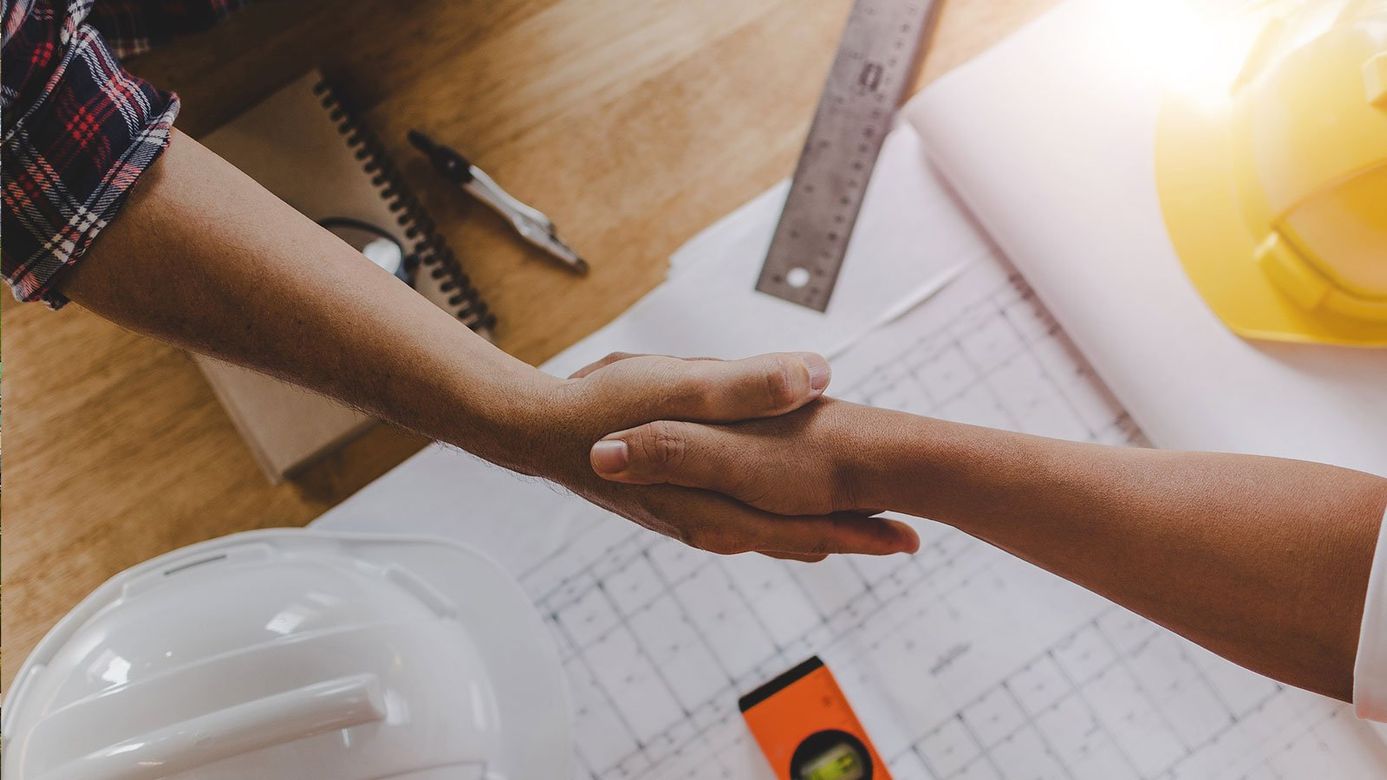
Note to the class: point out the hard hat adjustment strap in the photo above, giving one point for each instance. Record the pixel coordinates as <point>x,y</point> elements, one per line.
<point>1375,80</point>
<point>1311,290</point>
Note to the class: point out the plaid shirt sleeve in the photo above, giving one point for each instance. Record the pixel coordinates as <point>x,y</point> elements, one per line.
<point>78,130</point>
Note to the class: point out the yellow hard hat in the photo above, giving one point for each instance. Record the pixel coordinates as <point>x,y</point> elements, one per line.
<point>1275,194</point>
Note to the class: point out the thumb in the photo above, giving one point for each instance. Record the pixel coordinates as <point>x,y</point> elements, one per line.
<point>665,452</point>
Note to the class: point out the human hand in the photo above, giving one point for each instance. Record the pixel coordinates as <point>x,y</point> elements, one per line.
<point>813,461</point>
<point>622,391</point>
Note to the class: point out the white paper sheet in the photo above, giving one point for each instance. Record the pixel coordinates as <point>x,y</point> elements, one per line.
<point>961,661</point>
<point>1050,139</point>
<point>910,239</point>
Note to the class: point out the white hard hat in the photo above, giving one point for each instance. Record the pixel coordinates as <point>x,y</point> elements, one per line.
<point>295,654</point>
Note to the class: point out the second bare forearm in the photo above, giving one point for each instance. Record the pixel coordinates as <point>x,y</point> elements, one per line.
<point>1263,560</point>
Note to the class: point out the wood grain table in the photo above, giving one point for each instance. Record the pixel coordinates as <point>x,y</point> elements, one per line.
<point>633,123</point>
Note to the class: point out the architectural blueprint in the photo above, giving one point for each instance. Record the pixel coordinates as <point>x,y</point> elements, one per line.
<point>961,661</point>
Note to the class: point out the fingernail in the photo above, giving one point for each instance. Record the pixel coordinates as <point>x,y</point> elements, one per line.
<point>818,372</point>
<point>911,539</point>
<point>610,456</point>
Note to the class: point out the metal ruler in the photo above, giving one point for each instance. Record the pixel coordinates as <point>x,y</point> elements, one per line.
<point>875,62</point>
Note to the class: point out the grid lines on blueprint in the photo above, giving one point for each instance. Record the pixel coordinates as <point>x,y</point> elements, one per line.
<point>961,661</point>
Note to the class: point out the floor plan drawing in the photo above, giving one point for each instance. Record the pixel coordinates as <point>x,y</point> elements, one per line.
<point>961,661</point>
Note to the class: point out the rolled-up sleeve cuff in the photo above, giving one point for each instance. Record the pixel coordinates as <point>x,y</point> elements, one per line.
<point>71,161</point>
<point>1370,669</point>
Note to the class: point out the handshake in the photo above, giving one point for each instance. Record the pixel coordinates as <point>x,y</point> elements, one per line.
<point>727,456</point>
<point>1263,560</point>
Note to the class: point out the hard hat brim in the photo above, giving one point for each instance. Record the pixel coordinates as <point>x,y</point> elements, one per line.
<point>1198,190</point>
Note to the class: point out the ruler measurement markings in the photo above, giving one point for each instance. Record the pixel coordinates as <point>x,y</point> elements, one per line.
<point>864,86</point>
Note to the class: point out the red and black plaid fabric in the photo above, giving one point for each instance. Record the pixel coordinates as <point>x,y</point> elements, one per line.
<point>78,130</point>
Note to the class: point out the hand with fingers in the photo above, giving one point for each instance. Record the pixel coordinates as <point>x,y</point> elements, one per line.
<point>811,461</point>
<point>624,391</point>
<point>1249,556</point>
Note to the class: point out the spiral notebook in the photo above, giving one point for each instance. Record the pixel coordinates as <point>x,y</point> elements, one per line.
<point>306,146</point>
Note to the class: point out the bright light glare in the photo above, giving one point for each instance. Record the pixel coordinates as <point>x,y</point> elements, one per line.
<point>287,620</point>
<point>1199,48</point>
<point>1193,48</point>
<point>117,671</point>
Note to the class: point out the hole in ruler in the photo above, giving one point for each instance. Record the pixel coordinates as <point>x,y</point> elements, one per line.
<point>797,277</point>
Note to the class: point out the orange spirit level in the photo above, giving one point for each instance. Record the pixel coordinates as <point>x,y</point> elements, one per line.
<point>807,730</point>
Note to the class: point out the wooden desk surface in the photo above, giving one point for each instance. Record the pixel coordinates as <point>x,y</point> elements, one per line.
<point>633,123</point>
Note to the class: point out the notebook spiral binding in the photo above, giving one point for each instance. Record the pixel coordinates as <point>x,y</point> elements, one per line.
<point>430,253</point>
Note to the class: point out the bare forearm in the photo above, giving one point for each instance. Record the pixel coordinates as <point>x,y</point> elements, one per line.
<point>205,258</point>
<point>1262,560</point>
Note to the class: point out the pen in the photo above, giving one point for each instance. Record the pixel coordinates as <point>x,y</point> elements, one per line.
<point>532,225</point>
